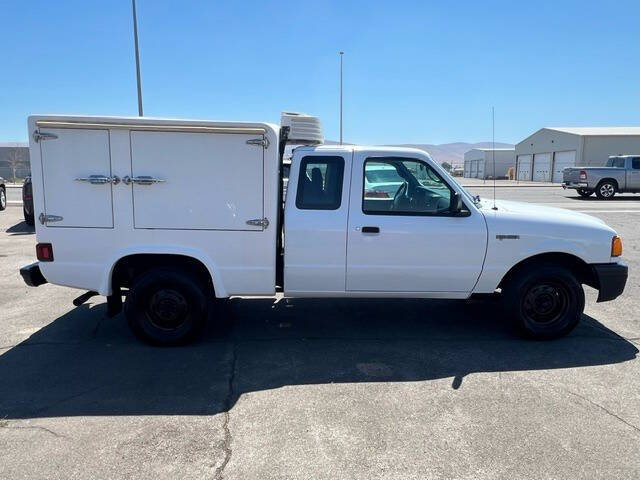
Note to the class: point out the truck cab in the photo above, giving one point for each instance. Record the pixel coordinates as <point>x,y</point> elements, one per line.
<point>171,214</point>
<point>378,221</point>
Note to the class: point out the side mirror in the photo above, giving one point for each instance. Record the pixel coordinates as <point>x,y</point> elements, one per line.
<point>457,207</point>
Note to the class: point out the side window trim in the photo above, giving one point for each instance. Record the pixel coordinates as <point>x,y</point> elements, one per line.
<point>302,175</point>
<point>405,214</point>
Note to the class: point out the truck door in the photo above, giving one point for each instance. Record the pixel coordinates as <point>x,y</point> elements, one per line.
<point>77,181</point>
<point>401,237</point>
<point>315,224</point>
<point>633,175</point>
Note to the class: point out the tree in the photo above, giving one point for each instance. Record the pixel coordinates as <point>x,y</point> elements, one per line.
<point>15,157</point>
<point>447,166</point>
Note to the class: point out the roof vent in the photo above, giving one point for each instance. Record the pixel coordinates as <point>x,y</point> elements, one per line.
<point>303,128</point>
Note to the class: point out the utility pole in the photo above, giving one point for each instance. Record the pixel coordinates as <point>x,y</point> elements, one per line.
<point>135,38</point>
<point>341,55</point>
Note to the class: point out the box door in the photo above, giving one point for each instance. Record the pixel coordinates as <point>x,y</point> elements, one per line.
<point>76,172</point>
<point>197,181</point>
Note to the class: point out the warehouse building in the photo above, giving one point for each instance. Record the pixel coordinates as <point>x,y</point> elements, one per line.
<point>479,162</point>
<point>542,156</point>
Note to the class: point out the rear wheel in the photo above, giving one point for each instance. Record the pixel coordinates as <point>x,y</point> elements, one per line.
<point>606,190</point>
<point>3,198</point>
<point>166,306</point>
<point>545,301</point>
<point>583,192</point>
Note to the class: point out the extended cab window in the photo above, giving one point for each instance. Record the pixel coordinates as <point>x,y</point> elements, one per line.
<point>616,162</point>
<point>635,163</point>
<point>320,183</point>
<point>396,186</point>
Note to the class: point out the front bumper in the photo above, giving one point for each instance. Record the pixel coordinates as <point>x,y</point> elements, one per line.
<point>611,279</point>
<point>566,185</point>
<point>32,275</point>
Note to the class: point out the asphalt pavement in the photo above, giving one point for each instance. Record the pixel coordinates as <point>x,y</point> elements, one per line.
<point>322,389</point>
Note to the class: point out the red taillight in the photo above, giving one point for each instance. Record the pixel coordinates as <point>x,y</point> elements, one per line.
<point>583,175</point>
<point>375,194</point>
<point>44,252</point>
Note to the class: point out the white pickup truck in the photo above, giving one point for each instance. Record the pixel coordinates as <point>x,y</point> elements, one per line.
<point>170,214</point>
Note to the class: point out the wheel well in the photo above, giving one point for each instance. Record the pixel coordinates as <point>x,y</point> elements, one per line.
<point>577,266</point>
<point>128,268</point>
<point>612,180</point>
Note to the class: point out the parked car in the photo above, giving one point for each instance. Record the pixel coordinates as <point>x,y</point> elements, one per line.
<point>3,194</point>
<point>121,217</point>
<point>27,201</point>
<point>621,174</point>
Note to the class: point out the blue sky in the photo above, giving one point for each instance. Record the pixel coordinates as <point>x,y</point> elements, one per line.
<point>415,72</point>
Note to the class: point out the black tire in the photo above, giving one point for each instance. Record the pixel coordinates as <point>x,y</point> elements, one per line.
<point>583,192</point>
<point>28,219</point>
<point>606,190</point>
<point>545,301</point>
<point>3,198</point>
<point>167,306</point>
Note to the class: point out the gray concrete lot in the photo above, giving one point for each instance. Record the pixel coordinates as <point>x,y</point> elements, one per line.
<point>320,389</point>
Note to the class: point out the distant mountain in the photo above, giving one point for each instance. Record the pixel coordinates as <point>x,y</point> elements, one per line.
<point>452,153</point>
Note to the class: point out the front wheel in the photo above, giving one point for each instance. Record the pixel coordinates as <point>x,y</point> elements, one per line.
<point>606,190</point>
<point>545,301</point>
<point>3,198</point>
<point>166,306</point>
<point>583,192</point>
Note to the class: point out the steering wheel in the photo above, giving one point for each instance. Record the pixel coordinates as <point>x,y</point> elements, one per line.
<point>402,192</point>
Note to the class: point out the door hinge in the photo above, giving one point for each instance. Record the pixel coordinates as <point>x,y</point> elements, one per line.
<point>49,218</point>
<point>264,223</point>
<point>263,142</point>
<point>38,135</point>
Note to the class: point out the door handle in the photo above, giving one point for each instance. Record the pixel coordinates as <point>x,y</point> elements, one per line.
<point>370,229</point>
<point>141,180</point>
<point>99,179</point>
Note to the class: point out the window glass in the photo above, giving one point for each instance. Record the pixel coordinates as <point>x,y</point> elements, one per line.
<point>635,163</point>
<point>617,162</point>
<point>320,183</point>
<point>395,186</point>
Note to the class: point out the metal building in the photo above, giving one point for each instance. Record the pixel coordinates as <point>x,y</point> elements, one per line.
<point>542,156</point>
<point>479,162</point>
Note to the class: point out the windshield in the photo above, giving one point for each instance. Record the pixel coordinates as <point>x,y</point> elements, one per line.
<point>616,162</point>
<point>465,192</point>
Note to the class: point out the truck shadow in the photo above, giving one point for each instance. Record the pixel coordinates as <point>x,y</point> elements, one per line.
<point>21,229</point>
<point>593,198</point>
<point>85,364</point>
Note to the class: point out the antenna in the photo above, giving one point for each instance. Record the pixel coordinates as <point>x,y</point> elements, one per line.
<point>493,153</point>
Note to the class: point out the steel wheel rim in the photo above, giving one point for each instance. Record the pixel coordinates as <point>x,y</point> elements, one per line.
<point>545,303</point>
<point>606,190</point>
<point>3,199</point>
<point>167,309</point>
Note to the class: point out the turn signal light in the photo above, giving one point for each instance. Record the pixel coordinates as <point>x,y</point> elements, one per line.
<point>44,252</point>
<point>583,174</point>
<point>616,246</point>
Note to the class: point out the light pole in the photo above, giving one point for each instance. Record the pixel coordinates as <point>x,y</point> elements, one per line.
<point>341,55</point>
<point>135,38</point>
